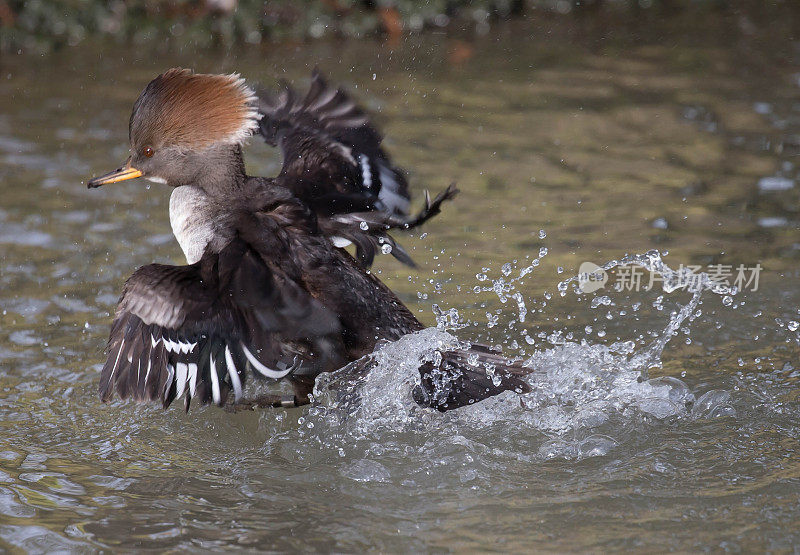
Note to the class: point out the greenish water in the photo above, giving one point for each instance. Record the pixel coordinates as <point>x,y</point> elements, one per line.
<point>588,138</point>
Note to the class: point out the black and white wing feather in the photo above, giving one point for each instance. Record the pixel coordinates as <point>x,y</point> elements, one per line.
<point>332,155</point>
<point>193,330</point>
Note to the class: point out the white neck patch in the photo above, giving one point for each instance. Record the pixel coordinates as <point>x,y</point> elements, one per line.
<point>187,215</point>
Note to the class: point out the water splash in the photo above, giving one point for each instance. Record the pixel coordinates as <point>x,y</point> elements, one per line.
<point>697,283</point>
<point>583,393</point>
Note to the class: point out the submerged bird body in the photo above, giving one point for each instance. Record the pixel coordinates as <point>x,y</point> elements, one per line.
<point>267,287</point>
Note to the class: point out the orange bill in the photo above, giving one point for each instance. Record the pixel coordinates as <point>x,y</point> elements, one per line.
<point>120,174</point>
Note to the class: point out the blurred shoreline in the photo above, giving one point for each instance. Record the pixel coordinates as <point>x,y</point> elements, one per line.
<point>43,26</point>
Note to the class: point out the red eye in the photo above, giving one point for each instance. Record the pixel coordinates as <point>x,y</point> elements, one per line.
<point>148,152</point>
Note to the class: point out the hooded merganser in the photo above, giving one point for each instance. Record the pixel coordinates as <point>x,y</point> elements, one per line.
<point>267,283</point>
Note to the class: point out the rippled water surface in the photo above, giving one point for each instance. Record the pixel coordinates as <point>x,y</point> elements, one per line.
<point>661,419</point>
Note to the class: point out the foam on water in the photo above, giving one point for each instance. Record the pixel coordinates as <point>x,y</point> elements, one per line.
<point>583,393</point>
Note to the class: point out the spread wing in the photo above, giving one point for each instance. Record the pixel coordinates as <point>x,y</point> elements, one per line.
<point>332,155</point>
<point>194,330</point>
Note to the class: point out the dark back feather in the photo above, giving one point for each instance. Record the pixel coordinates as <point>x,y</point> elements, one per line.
<point>333,158</point>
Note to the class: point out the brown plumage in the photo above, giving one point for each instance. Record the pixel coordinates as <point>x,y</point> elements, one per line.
<point>193,110</point>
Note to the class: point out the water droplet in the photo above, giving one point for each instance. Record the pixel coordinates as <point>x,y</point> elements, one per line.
<point>364,226</point>
<point>542,234</point>
<point>386,249</point>
<point>792,325</point>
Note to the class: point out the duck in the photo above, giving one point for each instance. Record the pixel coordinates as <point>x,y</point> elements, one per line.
<point>269,289</point>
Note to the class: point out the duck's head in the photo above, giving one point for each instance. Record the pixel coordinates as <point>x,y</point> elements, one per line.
<point>187,128</point>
